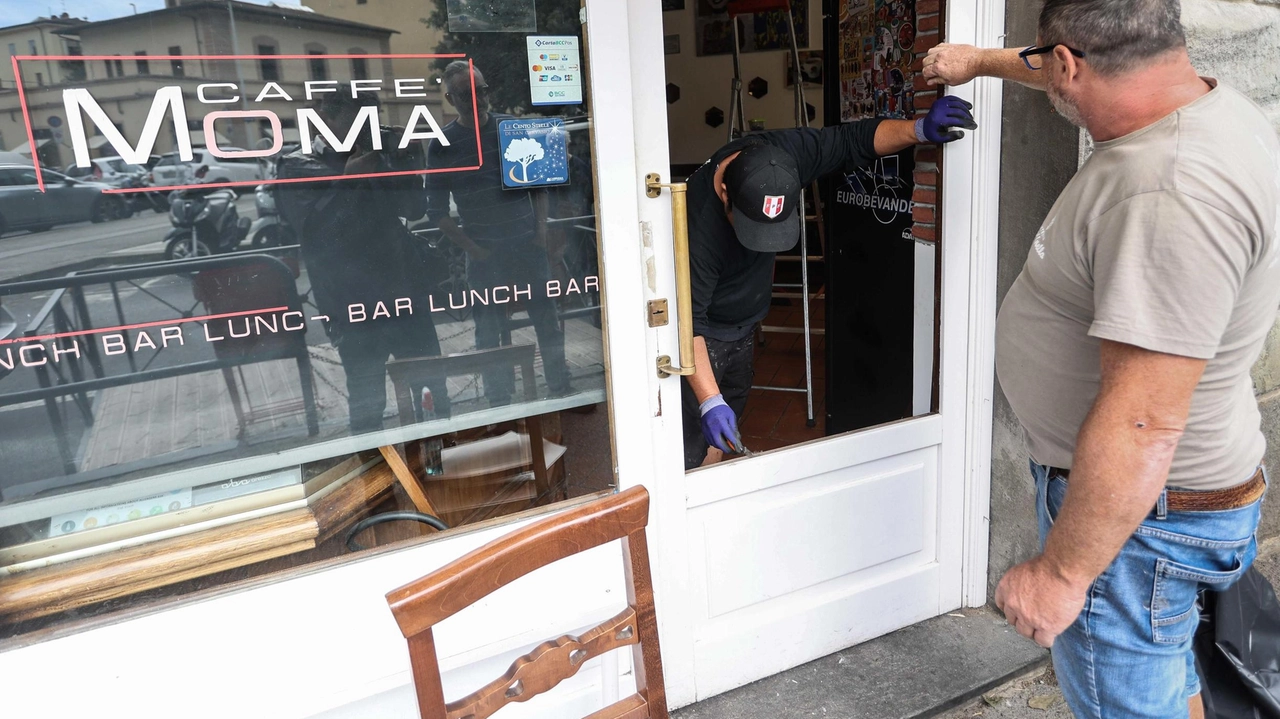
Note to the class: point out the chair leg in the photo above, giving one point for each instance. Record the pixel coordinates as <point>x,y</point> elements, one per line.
<point>307,381</point>
<point>230,379</point>
<point>541,479</point>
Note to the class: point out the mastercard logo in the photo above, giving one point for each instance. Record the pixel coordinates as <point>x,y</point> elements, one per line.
<point>537,68</point>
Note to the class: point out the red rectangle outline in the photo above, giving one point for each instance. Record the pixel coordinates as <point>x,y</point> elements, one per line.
<point>35,159</point>
<point>157,323</point>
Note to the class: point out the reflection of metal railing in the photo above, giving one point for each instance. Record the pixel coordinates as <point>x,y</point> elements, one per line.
<point>65,318</point>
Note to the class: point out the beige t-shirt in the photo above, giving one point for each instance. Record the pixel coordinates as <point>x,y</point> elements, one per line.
<point>1168,239</point>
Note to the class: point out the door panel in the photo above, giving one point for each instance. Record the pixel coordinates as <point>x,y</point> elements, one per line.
<point>840,516</point>
<point>796,571</point>
<point>815,623</point>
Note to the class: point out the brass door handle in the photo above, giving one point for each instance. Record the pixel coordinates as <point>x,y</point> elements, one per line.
<point>684,291</point>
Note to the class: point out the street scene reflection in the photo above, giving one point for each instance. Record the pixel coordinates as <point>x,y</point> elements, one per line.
<point>297,261</point>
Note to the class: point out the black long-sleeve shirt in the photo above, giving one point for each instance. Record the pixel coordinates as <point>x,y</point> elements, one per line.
<point>491,215</point>
<point>732,286</point>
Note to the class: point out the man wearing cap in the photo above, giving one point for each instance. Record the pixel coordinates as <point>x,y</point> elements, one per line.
<point>744,206</point>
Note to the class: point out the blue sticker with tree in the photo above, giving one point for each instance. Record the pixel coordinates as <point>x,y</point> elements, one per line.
<point>534,152</point>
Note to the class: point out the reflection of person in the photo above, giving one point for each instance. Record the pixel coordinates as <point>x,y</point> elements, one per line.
<point>503,232</point>
<point>357,252</point>
<point>744,206</point>
<point>1125,347</point>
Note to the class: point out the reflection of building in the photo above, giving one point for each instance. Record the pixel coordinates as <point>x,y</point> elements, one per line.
<point>125,87</point>
<point>43,36</point>
<point>413,35</point>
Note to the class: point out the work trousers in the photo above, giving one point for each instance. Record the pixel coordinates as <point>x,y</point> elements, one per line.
<point>733,365</point>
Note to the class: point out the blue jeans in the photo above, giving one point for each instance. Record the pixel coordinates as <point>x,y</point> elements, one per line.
<point>1128,655</point>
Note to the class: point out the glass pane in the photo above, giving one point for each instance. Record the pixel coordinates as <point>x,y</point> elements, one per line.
<point>852,345</point>
<point>387,301</point>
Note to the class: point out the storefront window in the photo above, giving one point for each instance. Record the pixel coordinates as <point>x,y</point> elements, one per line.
<point>333,303</point>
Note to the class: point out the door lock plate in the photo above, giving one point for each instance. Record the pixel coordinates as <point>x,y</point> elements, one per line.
<point>658,315</point>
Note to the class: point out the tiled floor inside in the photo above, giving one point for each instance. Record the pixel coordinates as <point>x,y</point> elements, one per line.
<point>777,419</point>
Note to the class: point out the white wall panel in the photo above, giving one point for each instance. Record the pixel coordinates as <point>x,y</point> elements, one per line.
<point>771,543</point>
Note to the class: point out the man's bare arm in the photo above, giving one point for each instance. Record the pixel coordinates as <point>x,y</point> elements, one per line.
<point>1121,463</point>
<point>1122,458</point>
<point>893,136</point>
<point>703,380</point>
<point>949,64</point>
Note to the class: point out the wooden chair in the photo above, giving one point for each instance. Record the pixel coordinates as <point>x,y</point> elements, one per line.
<point>411,373</point>
<point>420,605</point>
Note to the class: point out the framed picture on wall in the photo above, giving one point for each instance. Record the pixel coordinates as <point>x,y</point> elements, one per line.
<point>671,44</point>
<point>759,31</point>
<point>668,5</point>
<point>810,68</point>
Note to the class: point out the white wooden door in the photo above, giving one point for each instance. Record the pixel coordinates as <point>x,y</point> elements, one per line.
<point>768,562</point>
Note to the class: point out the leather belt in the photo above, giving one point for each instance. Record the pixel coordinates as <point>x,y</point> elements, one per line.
<point>1192,500</point>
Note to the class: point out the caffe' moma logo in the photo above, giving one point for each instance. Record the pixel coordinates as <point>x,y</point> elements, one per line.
<point>174,106</point>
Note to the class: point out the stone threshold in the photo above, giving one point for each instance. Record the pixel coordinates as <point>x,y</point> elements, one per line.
<point>919,671</point>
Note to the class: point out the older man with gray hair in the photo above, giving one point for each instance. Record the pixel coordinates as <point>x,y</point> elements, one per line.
<point>1125,346</point>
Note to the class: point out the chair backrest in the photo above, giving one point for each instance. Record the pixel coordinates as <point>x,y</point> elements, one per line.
<point>234,292</point>
<point>406,373</point>
<point>420,605</point>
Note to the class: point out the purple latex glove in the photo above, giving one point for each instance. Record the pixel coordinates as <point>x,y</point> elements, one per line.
<point>948,113</point>
<point>719,426</point>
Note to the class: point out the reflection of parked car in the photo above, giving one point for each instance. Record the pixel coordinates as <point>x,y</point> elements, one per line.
<point>171,170</point>
<point>112,170</point>
<point>65,199</point>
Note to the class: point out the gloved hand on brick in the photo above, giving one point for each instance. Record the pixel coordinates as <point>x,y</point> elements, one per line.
<point>948,113</point>
<point>720,426</point>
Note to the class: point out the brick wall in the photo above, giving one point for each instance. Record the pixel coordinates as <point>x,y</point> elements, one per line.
<point>929,16</point>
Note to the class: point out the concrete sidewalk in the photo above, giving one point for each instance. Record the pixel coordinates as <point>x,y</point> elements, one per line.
<point>1037,696</point>
<point>916,671</point>
<point>968,664</point>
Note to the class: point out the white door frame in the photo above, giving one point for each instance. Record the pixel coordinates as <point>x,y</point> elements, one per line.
<point>969,213</point>
<point>323,642</point>
<point>981,23</point>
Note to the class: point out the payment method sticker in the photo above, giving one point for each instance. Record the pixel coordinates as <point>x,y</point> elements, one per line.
<point>555,69</point>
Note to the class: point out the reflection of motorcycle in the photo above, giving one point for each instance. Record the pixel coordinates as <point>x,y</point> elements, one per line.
<point>205,222</point>
<point>153,200</point>
<point>270,229</point>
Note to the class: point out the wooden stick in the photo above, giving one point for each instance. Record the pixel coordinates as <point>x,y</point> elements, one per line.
<point>410,483</point>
